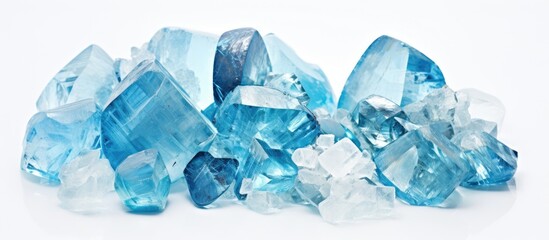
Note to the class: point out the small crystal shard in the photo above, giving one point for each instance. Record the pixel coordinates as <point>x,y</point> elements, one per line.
<point>310,185</point>
<point>89,75</point>
<point>340,159</point>
<point>208,177</point>
<point>289,84</point>
<point>491,161</point>
<point>57,136</point>
<point>241,59</point>
<point>438,106</point>
<point>392,69</point>
<point>264,202</point>
<point>150,111</point>
<point>305,158</point>
<point>142,182</point>
<point>480,111</point>
<point>85,181</point>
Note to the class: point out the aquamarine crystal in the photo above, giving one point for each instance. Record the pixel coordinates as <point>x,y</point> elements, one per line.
<point>285,60</point>
<point>491,161</point>
<point>423,166</point>
<point>394,70</point>
<point>208,177</point>
<point>56,136</point>
<point>89,75</point>
<point>289,84</point>
<point>241,59</point>
<point>149,110</point>
<point>142,182</point>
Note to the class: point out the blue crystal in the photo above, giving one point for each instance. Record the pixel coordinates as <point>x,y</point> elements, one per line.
<point>491,161</point>
<point>142,182</point>
<point>57,136</point>
<point>314,81</point>
<point>210,111</point>
<point>289,85</point>
<point>150,111</point>
<point>241,59</point>
<point>208,177</point>
<point>392,69</point>
<point>422,165</point>
<point>89,75</point>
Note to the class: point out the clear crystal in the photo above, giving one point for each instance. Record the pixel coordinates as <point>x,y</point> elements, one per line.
<point>305,158</point>
<point>264,202</point>
<point>289,84</point>
<point>340,159</point>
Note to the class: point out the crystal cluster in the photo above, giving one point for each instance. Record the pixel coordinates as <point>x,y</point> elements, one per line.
<point>242,117</point>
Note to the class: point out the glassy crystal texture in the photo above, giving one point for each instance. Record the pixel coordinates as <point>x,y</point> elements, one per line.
<point>441,105</point>
<point>57,136</point>
<point>85,181</point>
<point>150,111</point>
<point>392,69</point>
<point>479,110</point>
<point>314,81</point>
<point>208,177</point>
<point>289,84</point>
<point>241,59</point>
<point>424,166</point>
<point>142,182</point>
<point>89,75</point>
<point>491,161</point>
<point>264,202</point>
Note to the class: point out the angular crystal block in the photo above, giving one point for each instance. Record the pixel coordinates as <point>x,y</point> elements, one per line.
<point>441,105</point>
<point>479,110</point>
<point>142,182</point>
<point>491,161</point>
<point>85,181</point>
<point>89,75</point>
<point>289,84</point>
<point>264,202</point>
<point>314,81</point>
<point>305,158</point>
<point>310,184</point>
<point>149,110</point>
<point>241,59</point>
<point>392,69</point>
<point>57,136</point>
<point>208,177</point>
<point>341,158</point>
<point>424,166</point>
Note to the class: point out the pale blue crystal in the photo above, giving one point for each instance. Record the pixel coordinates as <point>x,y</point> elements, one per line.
<point>491,161</point>
<point>285,60</point>
<point>241,59</point>
<point>439,105</point>
<point>289,84</point>
<point>423,166</point>
<point>89,75</point>
<point>394,70</point>
<point>142,182</point>
<point>56,136</point>
<point>150,111</point>
<point>208,177</point>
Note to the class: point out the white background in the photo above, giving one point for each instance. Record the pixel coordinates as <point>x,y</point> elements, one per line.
<point>496,46</point>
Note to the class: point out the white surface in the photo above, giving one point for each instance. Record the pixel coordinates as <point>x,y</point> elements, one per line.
<point>498,47</point>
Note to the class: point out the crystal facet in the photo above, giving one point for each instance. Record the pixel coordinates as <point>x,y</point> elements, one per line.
<point>264,202</point>
<point>392,69</point>
<point>142,182</point>
<point>340,159</point>
<point>149,110</point>
<point>289,84</point>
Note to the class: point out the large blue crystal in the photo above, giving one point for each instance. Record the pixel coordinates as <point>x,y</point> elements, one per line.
<point>423,166</point>
<point>392,69</point>
<point>149,110</point>
<point>142,182</point>
<point>208,177</point>
<point>241,59</point>
<point>89,75</point>
<point>491,161</point>
<point>57,136</point>
<point>285,60</point>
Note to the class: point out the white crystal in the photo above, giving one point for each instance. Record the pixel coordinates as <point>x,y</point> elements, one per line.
<point>340,159</point>
<point>264,202</point>
<point>325,141</point>
<point>305,157</point>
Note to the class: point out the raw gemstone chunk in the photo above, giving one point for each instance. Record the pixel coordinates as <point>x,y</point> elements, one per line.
<point>289,84</point>
<point>264,202</point>
<point>341,158</point>
<point>208,177</point>
<point>241,59</point>
<point>305,158</point>
<point>142,182</point>
<point>379,120</point>
<point>480,111</point>
<point>325,141</point>
<point>310,185</point>
<point>57,136</point>
<point>491,161</point>
<point>85,181</point>
<point>89,75</point>
<point>424,166</point>
<point>441,105</point>
<point>285,60</point>
<point>148,110</point>
<point>392,69</point>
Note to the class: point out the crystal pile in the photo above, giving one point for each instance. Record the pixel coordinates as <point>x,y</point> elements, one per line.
<point>242,118</point>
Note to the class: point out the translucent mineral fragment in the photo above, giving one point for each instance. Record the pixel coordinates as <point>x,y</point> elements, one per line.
<point>241,59</point>
<point>392,69</point>
<point>289,84</point>
<point>89,75</point>
<point>208,177</point>
<point>148,110</point>
<point>142,182</point>
<point>85,181</point>
<point>441,105</point>
<point>57,136</point>
<point>341,158</point>
<point>264,202</point>
<point>484,111</point>
<point>285,60</point>
<point>491,162</point>
<point>305,158</point>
